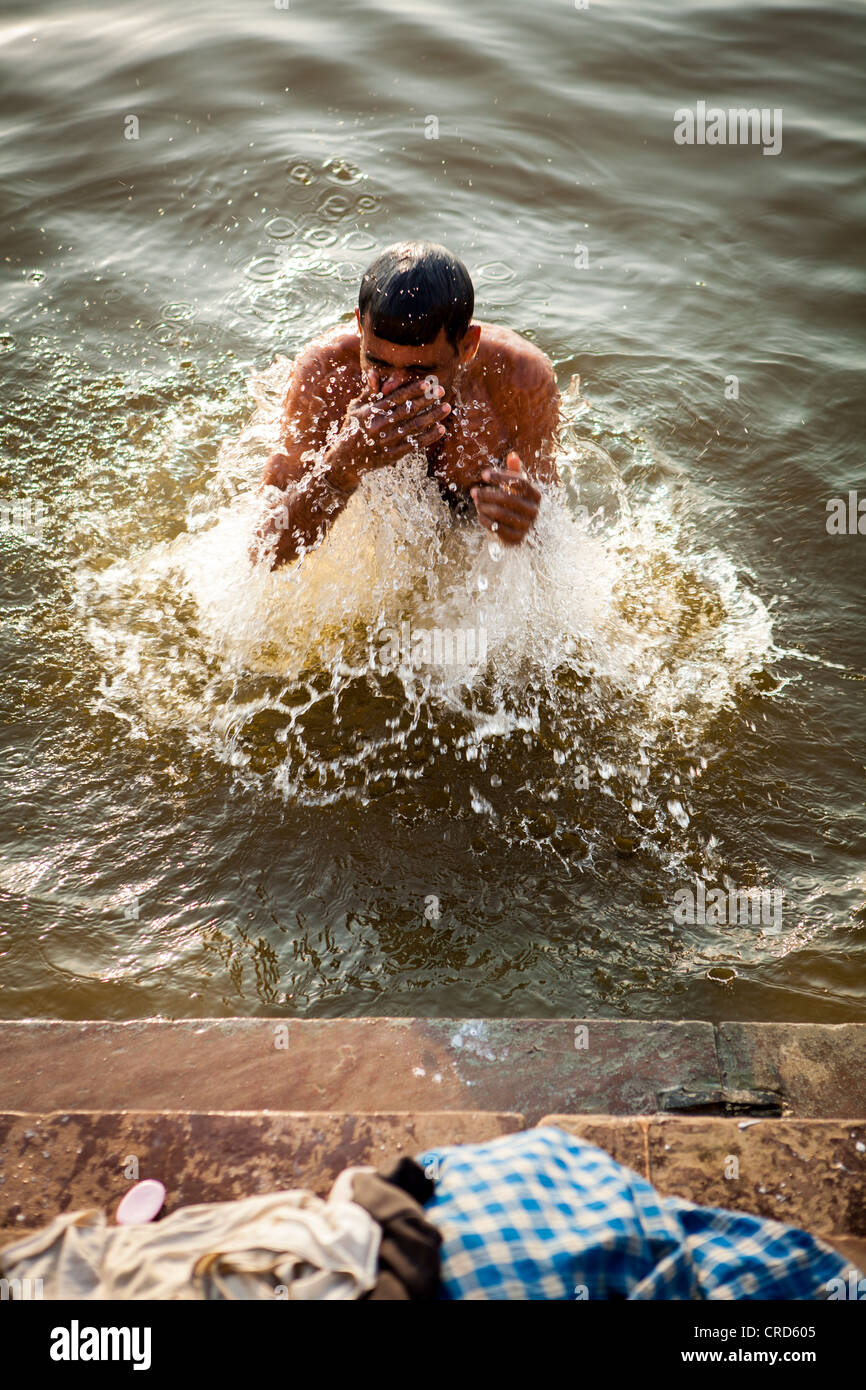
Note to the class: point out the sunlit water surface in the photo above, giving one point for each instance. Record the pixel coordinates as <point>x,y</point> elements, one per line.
<point>218,795</point>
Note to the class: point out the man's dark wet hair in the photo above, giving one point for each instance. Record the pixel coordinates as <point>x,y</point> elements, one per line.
<point>412,290</point>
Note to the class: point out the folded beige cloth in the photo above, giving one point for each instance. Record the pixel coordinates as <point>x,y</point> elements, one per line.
<point>285,1244</point>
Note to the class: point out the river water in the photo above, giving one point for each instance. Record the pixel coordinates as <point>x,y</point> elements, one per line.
<point>218,796</point>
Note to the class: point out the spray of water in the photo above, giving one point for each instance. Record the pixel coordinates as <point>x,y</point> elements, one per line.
<point>561,691</point>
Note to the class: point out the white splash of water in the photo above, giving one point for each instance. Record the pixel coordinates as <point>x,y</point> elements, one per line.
<point>603,622</point>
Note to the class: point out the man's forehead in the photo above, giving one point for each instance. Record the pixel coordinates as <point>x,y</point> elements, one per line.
<point>432,354</point>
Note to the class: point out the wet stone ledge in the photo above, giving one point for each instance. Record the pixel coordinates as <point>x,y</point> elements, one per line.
<point>530,1066</point>
<point>819,1069</point>
<point>68,1161</point>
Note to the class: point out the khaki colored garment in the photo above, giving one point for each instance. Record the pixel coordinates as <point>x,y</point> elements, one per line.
<point>286,1244</point>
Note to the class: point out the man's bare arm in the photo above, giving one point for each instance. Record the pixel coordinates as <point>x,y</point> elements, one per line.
<point>507,498</point>
<point>308,483</point>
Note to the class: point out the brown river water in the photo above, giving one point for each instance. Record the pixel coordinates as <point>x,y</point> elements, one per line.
<point>218,795</point>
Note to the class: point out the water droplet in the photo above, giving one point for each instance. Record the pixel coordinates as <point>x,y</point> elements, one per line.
<point>679,813</point>
<point>320,236</point>
<point>359,241</point>
<point>341,171</point>
<point>334,207</point>
<point>280,228</point>
<point>264,268</point>
<point>496,271</point>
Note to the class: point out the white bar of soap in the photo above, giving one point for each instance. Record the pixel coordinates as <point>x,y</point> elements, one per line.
<point>141,1203</point>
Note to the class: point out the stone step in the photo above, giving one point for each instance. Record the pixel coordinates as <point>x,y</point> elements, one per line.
<point>51,1163</point>
<point>529,1066</point>
<point>809,1173</point>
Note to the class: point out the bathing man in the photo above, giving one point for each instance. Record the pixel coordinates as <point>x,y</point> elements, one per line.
<point>413,373</point>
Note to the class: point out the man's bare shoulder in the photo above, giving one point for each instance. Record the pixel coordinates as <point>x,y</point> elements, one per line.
<point>326,355</point>
<point>324,377</point>
<point>521,366</point>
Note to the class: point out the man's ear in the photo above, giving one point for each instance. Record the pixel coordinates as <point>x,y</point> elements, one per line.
<point>358,317</point>
<point>469,342</point>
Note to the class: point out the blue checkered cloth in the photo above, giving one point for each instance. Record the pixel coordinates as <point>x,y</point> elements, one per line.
<point>542,1215</point>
